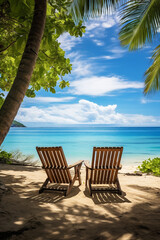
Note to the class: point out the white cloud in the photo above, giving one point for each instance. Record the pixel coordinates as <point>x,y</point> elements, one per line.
<point>98,42</point>
<point>113,39</point>
<point>107,57</point>
<point>101,22</point>
<point>84,112</point>
<point>68,42</point>
<point>96,28</point>
<point>80,66</point>
<point>50,99</point>
<point>117,50</point>
<point>144,101</point>
<point>108,23</point>
<point>94,24</point>
<point>91,35</point>
<point>99,86</point>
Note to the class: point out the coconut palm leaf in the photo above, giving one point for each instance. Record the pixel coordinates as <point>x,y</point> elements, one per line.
<point>152,82</point>
<point>84,9</point>
<point>140,22</point>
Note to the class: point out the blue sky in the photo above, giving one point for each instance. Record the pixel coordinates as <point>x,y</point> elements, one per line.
<point>106,84</point>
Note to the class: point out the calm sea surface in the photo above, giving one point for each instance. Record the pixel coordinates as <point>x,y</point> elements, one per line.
<point>77,142</point>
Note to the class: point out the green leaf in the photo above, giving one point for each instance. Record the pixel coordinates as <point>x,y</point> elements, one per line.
<point>140,22</point>
<point>152,81</point>
<point>84,9</point>
<point>151,166</point>
<point>51,64</point>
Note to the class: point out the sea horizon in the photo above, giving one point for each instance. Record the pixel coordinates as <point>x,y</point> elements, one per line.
<point>139,143</point>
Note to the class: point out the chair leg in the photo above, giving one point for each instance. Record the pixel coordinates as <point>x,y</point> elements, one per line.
<point>79,174</point>
<point>86,177</point>
<point>119,187</point>
<point>70,186</point>
<point>79,177</point>
<point>90,188</point>
<point>44,185</point>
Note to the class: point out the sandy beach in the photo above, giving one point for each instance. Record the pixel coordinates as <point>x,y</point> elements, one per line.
<point>25,214</point>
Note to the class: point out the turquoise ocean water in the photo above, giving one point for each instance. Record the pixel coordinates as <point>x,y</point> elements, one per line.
<point>78,142</point>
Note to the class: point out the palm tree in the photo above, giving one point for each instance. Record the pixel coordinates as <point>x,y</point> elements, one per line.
<point>18,90</point>
<point>15,96</point>
<point>85,9</point>
<point>140,23</point>
<point>140,20</point>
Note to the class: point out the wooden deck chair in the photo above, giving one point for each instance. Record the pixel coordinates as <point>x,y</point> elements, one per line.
<point>57,170</point>
<point>104,169</point>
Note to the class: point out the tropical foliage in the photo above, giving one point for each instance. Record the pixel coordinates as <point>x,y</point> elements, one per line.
<point>85,9</point>
<point>16,157</point>
<point>17,124</point>
<point>140,21</point>
<point>151,166</point>
<point>29,31</point>
<point>5,157</point>
<point>51,65</point>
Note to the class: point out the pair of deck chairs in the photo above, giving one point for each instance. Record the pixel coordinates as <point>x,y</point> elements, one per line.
<point>102,174</point>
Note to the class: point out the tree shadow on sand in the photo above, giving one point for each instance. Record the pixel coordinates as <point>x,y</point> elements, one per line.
<point>47,216</point>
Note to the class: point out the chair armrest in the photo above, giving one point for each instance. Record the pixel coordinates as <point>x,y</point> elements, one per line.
<point>75,164</point>
<point>120,166</point>
<point>87,165</point>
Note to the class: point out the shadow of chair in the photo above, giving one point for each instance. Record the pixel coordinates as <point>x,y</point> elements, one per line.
<point>107,197</point>
<point>53,197</point>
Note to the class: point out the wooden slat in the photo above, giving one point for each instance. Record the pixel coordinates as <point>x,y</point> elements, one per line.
<point>52,171</point>
<point>58,164</point>
<point>104,166</point>
<point>92,172</point>
<point>100,166</point>
<point>68,174</point>
<point>111,166</point>
<point>96,166</point>
<point>107,166</point>
<point>117,164</point>
<point>115,172</point>
<point>47,165</point>
<point>43,162</point>
<point>46,153</point>
<point>63,166</point>
<point>54,163</point>
<point>55,180</point>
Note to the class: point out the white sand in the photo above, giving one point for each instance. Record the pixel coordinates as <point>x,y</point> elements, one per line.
<point>25,214</point>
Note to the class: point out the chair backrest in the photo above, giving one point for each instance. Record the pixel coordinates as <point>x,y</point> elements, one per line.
<point>55,164</point>
<point>105,164</point>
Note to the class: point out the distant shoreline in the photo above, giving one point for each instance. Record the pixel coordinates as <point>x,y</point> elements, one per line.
<point>90,126</point>
<point>17,124</point>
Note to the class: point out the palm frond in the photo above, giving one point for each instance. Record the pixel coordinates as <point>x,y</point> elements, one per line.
<point>152,82</point>
<point>85,9</point>
<point>140,21</point>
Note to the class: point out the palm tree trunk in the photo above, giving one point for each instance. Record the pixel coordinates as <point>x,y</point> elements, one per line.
<point>25,69</point>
